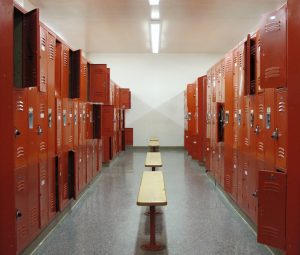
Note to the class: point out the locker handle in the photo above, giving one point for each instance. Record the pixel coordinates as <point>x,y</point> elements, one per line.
<point>18,214</point>
<point>256,130</point>
<point>17,132</point>
<point>275,134</point>
<point>39,130</point>
<point>255,194</point>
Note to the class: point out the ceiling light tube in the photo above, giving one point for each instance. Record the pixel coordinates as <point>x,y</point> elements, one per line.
<point>155,14</point>
<point>154,2</point>
<point>155,34</point>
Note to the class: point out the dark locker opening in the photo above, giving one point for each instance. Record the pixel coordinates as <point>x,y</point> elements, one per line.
<point>252,66</point>
<point>71,78</point>
<point>97,122</point>
<point>71,179</point>
<point>111,144</point>
<point>221,114</point>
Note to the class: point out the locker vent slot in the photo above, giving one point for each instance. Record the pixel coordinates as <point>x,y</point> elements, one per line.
<point>281,153</point>
<point>20,184</point>
<point>43,146</point>
<point>66,63</point>
<point>43,80</point>
<point>272,26</point>
<point>281,106</point>
<point>20,105</point>
<point>51,51</point>
<point>261,146</point>
<point>269,231</point>
<point>20,152</point>
<point>34,217</point>
<point>272,72</point>
<point>65,192</point>
<point>43,43</point>
<point>52,202</point>
<point>246,141</point>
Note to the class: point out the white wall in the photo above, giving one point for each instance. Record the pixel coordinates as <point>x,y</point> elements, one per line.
<point>157,83</point>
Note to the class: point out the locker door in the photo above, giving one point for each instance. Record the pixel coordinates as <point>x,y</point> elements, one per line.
<point>65,71</point>
<point>51,94</point>
<point>99,155</point>
<point>107,114</point>
<point>258,64</point>
<point>191,106</point>
<point>32,160</point>
<point>272,209</point>
<point>75,122</point>
<point>89,160</point>
<point>43,158</point>
<point>20,119</point>
<point>273,39</point>
<point>31,49</point>
<point>58,67</point>
<point>59,123</point>
<point>70,118</point>
<point>259,127</point>
<point>52,187</point>
<point>22,212</point>
<point>83,79</point>
<point>63,181</point>
<point>89,121</point>
<point>270,113</point>
<point>280,132</point>
<point>124,98</point>
<point>43,59</point>
<point>99,83</point>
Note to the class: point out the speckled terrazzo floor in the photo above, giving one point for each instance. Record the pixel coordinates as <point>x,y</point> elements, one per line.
<point>196,221</point>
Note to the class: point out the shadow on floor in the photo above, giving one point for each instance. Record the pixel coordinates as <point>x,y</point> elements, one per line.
<point>143,235</point>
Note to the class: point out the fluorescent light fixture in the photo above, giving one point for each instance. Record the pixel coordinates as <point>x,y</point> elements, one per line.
<point>154,2</point>
<point>155,14</point>
<point>155,33</point>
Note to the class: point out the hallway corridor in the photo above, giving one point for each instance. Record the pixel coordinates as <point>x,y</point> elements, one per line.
<point>197,220</point>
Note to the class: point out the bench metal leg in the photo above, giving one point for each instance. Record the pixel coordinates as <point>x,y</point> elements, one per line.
<point>153,168</point>
<point>153,245</point>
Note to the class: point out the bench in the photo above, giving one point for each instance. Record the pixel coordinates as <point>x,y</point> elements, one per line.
<point>153,159</point>
<point>152,193</point>
<point>153,145</point>
<point>153,139</point>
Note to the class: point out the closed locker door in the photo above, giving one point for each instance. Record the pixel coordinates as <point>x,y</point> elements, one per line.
<point>83,169</point>
<point>89,160</point>
<point>63,181</point>
<point>95,149</point>
<point>65,125</point>
<point>52,186</point>
<point>235,172</point>
<point>32,160</point>
<point>70,127</point>
<point>22,212</point>
<point>65,71</point>
<point>99,155</point>
<point>269,125</point>
<point>260,127</point>
<point>59,123</point>
<point>75,121</point>
<point>280,132</point>
<point>272,209</point>
<point>106,149</point>
<point>83,79</point>
<point>191,104</point>
<point>58,64</point>
<point>51,94</point>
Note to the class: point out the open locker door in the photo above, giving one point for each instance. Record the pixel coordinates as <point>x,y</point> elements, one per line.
<point>31,49</point>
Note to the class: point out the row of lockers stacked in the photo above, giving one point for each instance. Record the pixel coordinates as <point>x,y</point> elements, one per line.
<point>69,119</point>
<point>245,144</point>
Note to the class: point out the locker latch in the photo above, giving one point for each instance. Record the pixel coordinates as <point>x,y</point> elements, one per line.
<point>255,194</point>
<point>18,214</point>
<point>17,132</point>
<point>275,134</point>
<point>256,130</point>
<point>49,118</point>
<point>39,130</point>
<point>251,118</point>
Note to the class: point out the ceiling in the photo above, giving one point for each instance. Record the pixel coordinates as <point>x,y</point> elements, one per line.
<point>122,26</point>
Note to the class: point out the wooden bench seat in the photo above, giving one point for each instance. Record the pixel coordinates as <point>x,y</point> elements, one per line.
<point>152,193</point>
<point>153,159</point>
<point>153,145</point>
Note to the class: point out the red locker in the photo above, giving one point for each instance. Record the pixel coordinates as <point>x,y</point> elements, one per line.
<point>191,106</point>
<point>58,67</point>
<point>76,173</point>
<point>272,209</point>
<point>43,59</point>
<point>89,121</point>
<point>82,175</point>
<point>82,123</point>
<point>63,187</point>
<point>280,132</point>
<point>22,210</point>
<point>43,157</point>
<point>129,136</point>
<point>106,156</point>
<point>75,123</point>
<point>125,98</point>
<point>95,158</point>
<point>89,160</point>
<point>67,127</point>
<point>235,175</point>
<point>99,83</point>
<point>65,71</point>
<point>20,132</point>
<point>258,88</point>
<point>32,160</point>
<point>51,94</point>
<point>99,155</point>
<point>273,58</point>
<point>59,123</point>
<point>107,115</point>
<point>52,187</point>
<point>269,127</point>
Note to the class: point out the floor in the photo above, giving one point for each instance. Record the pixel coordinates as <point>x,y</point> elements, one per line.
<point>198,220</point>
